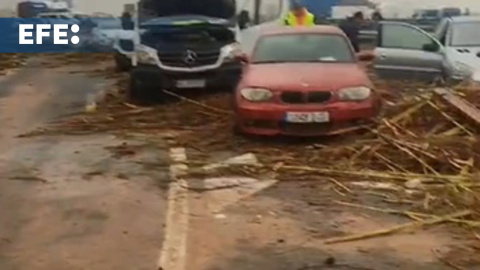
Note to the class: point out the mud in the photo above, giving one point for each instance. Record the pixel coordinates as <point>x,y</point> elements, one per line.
<point>285,226</point>
<point>71,202</point>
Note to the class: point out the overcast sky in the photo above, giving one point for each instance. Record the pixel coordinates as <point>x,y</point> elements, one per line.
<point>403,7</point>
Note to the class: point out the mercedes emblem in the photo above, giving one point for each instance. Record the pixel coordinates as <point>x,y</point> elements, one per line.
<point>189,57</point>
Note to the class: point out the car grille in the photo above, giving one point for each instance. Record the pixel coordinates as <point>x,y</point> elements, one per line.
<point>319,97</point>
<point>291,97</point>
<point>177,59</point>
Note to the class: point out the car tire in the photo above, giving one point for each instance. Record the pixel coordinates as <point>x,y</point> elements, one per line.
<point>439,81</point>
<point>122,63</point>
<point>140,95</point>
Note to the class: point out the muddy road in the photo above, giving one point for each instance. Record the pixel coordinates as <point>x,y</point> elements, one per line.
<point>72,202</point>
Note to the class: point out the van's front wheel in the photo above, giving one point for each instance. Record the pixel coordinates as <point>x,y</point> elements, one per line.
<point>122,63</point>
<point>143,94</point>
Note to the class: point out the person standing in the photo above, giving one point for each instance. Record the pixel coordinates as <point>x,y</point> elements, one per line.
<point>351,27</point>
<point>299,16</point>
<point>377,16</point>
<point>127,21</point>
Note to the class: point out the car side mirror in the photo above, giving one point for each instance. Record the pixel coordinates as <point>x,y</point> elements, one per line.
<point>243,19</point>
<point>431,47</point>
<point>243,58</point>
<point>365,56</point>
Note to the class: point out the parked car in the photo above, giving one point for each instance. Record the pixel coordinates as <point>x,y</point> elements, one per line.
<point>405,51</point>
<point>303,82</point>
<point>30,9</point>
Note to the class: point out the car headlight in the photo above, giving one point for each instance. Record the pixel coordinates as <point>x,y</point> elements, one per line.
<point>256,94</point>
<point>232,52</point>
<point>146,55</point>
<point>354,93</point>
<point>461,70</point>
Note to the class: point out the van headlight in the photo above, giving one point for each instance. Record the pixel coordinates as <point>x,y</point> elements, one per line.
<point>232,52</point>
<point>461,71</point>
<point>146,55</point>
<point>354,93</point>
<point>256,94</point>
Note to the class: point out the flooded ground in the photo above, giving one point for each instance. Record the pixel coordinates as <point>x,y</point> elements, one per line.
<point>72,202</point>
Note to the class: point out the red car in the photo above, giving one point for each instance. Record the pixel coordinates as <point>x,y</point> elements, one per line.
<point>303,82</point>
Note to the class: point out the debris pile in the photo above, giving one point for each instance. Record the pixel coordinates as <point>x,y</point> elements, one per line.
<point>53,60</point>
<point>424,151</point>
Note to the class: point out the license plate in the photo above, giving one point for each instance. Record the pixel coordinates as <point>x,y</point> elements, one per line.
<point>308,117</point>
<point>191,84</point>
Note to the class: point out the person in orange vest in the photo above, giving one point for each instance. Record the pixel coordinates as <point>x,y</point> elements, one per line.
<point>299,16</point>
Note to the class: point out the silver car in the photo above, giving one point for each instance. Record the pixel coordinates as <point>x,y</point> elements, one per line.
<point>452,53</point>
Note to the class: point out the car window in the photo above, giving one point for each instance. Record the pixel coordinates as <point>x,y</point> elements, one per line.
<point>303,48</point>
<point>463,34</point>
<point>403,37</point>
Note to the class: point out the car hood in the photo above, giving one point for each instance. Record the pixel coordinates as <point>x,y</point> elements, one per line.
<point>225,9</point>
<point>185,20</point>
<point>305,76</point>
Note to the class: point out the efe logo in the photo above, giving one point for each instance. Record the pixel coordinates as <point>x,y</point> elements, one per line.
<point>60,33</point>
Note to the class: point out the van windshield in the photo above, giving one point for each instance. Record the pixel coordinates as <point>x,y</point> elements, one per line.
<point>225,9</point>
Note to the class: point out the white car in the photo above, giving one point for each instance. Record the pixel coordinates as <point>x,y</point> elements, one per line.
<point>452,53</point>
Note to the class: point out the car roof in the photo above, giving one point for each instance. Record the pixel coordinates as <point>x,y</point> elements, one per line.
<point>317,29</point>
<point>463,19</point>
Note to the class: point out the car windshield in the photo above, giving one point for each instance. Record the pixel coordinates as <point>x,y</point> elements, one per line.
<point>303,48</point>
<point>462,34</point>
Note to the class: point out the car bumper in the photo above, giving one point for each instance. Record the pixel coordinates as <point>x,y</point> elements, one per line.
<point>150,76</point>
<point>269,120</point>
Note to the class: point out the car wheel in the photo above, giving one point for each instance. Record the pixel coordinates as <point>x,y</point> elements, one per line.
<point>439,81</point>
<point>135,94</point>
<point>140,95</point>
<point>122,63</point>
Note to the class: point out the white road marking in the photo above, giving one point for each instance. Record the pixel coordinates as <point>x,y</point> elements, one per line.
<point>173,254</point>
<point>245,159</point>
<point>227,191</point>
